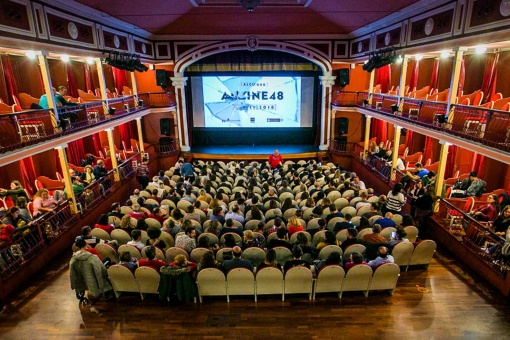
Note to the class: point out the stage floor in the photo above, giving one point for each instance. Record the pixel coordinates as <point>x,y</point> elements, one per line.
<point>253,149</point>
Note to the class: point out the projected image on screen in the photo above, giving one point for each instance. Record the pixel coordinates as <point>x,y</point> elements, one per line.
<point>241,101</point>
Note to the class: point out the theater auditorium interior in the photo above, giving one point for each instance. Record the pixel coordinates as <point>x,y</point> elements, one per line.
<point>267,142</point>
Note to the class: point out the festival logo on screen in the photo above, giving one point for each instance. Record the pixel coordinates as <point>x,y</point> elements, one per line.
<point>234,101</point>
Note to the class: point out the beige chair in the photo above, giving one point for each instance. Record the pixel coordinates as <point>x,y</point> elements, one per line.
<point>334,195</point>
<point>341,235</point>
<point>159,253</point>
<point>386,232</point>
<point>107,251</point>
<point>148,280</point>
<point>132,250</point>
<point>412,233</point>
<point>114,220</point>
<point>236,236</point>
<point>285,195</point>
<point>329,279</point>
<point>348,193</point>
<point>354,248</point>
<point>362,210</point>
<point>282,255</point>
<point>354,201</point>
<point>122,280</point>
<point>121,236</point>
<point>219,253</point>
<point>197,253</point>
<point>152,222</point>
<point>423,253</point>
<point>289,213</point>
<point>333,221</point>
<point>372,219</point>
<point>252,224</point>
<point>356,221</point>
<point>397,218</point>
<point>385,277</point>
<point>269,281</point>
<point>324,253</point>
<point>313,223</point>
<point>255,255</point>
<point>357,279</point>
<point>402,253</point>
<point>318,237</point>
<point>100,233</point>
<point>211,282</point>
<point>125,209</point>
<point>341,203</point>
<point>364,232</point>
<point>294,236</point>
<point>348,210</point>
<point>183,204</point>
<point>240,281</point>
<point>172,252</point>
<point>167,238</point>
<point>213,239</point>
<point>144,237</point>
<point>152,201</point>
<point>298,280</point>
<point>170,203</point>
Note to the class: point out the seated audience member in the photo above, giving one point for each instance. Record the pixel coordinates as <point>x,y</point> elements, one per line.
<point>374,210</point>
<point>229,241</point>
<point>150,260</point>
<point>375,236</point>
<point>21,204</point>
<point>487,212</point>
<point>187,240</point>
<point>207,261</point>
<point>127,261</point>
<point>329,240</point>
<point>217,214</point>
<point>345,224</point>
<point>249,240</point>
<point>88,177</point>
<point>154,233</point>
<point>141,224</point>
<point>302,241</point>
<point>296,261</point>
<point>136,213</point>
<point>77,187</point>
<point>502,222</point>
<point>100,170</point>
<point>188,196</point>
<point>191,214</point>
<point>419,172</point>
<point>86,234</point>
<point>235,214</point>
<point>181,261</point>
<point>136,240</point>
<point>43,100</point>
<point>102,223</point>
<point>281,241</point>
<point>43,203</point>
<point>383,256</point>
<point>471,186</point>
<point>333,212</point>
<point>14,218</point>
<point>237,261</point>
<point>357,184</point>
<point>354,259</point>
<point>230,227</point>
<point>125,224</point>
<point>16,190</point>
<point>352,238</point>
<point>6,233</point>
<point>386,221</point>
<point>269,261</point>
<point>399,236</point>
<point>214,228</point>
<point>364,200</point>
<point>321,225</point>
<point>204,242</point>
<point>116,210</point>
<point>293,226</point>
<point>278,223</point>
<point>333,258</point>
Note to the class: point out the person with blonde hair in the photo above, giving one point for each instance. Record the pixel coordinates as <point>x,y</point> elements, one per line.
<point>249,240</point>
<point>293,225</point>
<point>43,203</point>
<point>88,176</point>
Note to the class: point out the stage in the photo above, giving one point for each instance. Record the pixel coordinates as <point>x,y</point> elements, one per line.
<point>254,152</point>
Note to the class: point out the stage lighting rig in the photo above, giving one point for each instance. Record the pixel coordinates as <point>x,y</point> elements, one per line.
<point>124,61</point>
<point>380,58</point>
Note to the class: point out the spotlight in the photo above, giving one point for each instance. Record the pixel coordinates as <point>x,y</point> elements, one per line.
<point>394,108</point>
<point>445,54</point>
<point>64,58</point>
<point>441,118</point>
<point>418,57</point>
<point>30,54</point>
<point>89,60</point>
<point>400,59</point>
<point>480,49</point>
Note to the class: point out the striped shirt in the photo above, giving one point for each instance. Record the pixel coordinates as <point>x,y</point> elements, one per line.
<point>395,202</point>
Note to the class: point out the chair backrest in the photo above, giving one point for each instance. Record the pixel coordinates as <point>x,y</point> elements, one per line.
<point>152,222</point>
<point>357,279</point>
<point>132,250</point>
<point>213,239</point>
<point>121,236</point>
<point>298,280</point>
<point>240,281</point>
<point>348,210</point>
<point>333,221</point>
<point>251,224</point>
<point>402,253</point>
<point>385,277</point>
<point>423,253</point>
<point>470,203</point>
<point>341,235</point>
<point>318,237</point>
<point>356,221</point>
<point>348,193</point>
<point>167,238</point>
<point>324,253</point>
<point>211,282</point>
<point>125,209</point>
<point>282,254</point>
<point>397,218</point>
<point>197,253</point>
<point>148,280</point>
<point>100,233</point>
<point>386,232</point>
<point>107,251</point>
<point>172,252</point>
<point>412,233</point>
<point>354,248</point>
<point>363,232</point>
<point>159,253</point>
<point>219,253</point>
<point>254,254</point>
<point>362,210</point>
<point>122,279</point>
<point>269,280</point>
<point>334,195</point>
<point>114,220</point>
<point>294,236</point>
<point>236,236</point>
<point>330,279</point>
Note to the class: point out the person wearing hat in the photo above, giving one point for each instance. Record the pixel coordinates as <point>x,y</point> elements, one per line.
<point>88,176</point>
<point>471,186</point>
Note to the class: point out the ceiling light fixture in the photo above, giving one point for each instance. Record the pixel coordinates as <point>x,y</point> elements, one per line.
<point>30,54</point>
<point>124,61</point>
<point>445,54</point>
<point>418,57</point>
<point>64,58</point>
<point>380,58</point>
<point>89,60</point>
<point>249,5</point>
<point>480,49</point>
<point>400,59</point>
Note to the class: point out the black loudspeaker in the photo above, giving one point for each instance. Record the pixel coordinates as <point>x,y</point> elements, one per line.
<point>343,77</point>
<point>164,126</point>
<point>343,126</point>
<point>161,78</point>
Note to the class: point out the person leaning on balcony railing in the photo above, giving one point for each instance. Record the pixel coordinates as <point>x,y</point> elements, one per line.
<point>43,203</point>
<point>373,148</point>
<point>502,222</point>
<point>16,189</point>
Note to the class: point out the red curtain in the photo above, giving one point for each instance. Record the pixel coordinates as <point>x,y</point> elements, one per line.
<point>413,82</point>
<point>72,89</point>
<point>478,164</point>
<point>383,75</point>
<point>450,161</point>
<point>28,174</point>
<point>89,80</point>
<point>119,76</point>
<point>75,152</point>
<point>434,80</point>
<point>409,141</point>
<point>97,143</point>
<point>10,79</point>
<point>127,132</point>
<point>490,76</point>
<point>427,151</point>
<point>379,129</point>
<point>462,77</point>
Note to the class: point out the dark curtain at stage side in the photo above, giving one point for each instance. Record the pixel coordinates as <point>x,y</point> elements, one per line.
<point>189,110</point>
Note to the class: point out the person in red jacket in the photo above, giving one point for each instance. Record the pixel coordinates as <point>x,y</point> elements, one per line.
<point>6,232</point>
<point>275,160</point>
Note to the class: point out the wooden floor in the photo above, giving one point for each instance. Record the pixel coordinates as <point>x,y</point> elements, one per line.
<point>442,303</point>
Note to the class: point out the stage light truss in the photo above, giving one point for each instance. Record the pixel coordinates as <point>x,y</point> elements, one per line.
<point>380,58</point>
<point>124,61</point>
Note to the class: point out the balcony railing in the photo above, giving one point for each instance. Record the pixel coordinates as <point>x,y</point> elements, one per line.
<point>30,127</point>
<point>486,126</point>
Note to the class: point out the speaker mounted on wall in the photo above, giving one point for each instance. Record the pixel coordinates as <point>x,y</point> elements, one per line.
<point>164,126</point>
<point>161,79</point>
<point>343,126</point>
<point>343,77</point>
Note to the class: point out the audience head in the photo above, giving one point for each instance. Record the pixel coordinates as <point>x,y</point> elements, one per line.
<point>237,252</point>
<point>297,252</point>
<point>376,228</point>
<point>229,240</point>
<point>352,233</point>
<point>80,242</point>
<point>281,233</point>
<point>150,252</point>
<point>136,234</point>
<point>356,257</point>
<point>85,231</point>
<point>153,233</point>
<point>382,252</point>
<point>125,256</point>
<point>271,257</point>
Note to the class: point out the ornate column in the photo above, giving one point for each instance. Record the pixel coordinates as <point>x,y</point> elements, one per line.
<point>113,156</point>
<point>140,135</point>
<point>371,87</point>
<point>179,82</point>
<point>368,120</point>
<point>402,84</point>
<point>102,85</point>
<point>327,82</point>
<point>48,86</point>
<point>62,156</point>
<point>394,155</point>
<point>134,87</point>
<point>443,156</point>
<point>454,83</point>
